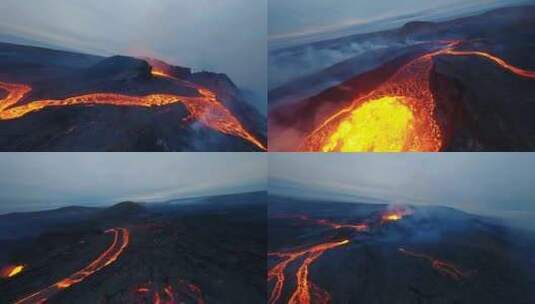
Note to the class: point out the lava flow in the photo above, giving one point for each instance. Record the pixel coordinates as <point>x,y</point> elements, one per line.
<point>444,268</point>
<point>205,108</point>
<point>180,293</point>
<point>397,116</point>
<point>325,222</point>
<point>306,292</point>
<point>120,241</point>
<point>10,271</point>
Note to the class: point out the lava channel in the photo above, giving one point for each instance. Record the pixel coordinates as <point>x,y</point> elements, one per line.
<point>306,292</point>
<point>444,268</point>
<point>397,116</point>
<point>120,241</point>
<point>360,227</point>
<point>205,108</point>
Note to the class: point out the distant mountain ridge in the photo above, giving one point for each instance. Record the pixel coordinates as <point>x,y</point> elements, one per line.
<point>30,224</point>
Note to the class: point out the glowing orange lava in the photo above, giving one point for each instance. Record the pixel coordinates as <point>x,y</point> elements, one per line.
<point>120,241</point>
<point>10,271</point>
<point>396,214</point>
<point>397,116</point>
<point>444,268</point>
<point>205,108</point>
<point>170,294</point>
<point>358,227</point>
<point>306,292</point>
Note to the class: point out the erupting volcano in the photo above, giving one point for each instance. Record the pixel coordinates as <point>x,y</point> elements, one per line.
<point>410,254</point>
<point>119,243</point>
<point>306,291</point>
<point>395,214</point>
<point>399,115</point>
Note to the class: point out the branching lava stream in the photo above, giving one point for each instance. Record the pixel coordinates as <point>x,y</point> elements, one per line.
<point>444,268</point>
<point>398,115</point>
<point>305,290</point>
<point>120,241</point>
<point>205,108</point>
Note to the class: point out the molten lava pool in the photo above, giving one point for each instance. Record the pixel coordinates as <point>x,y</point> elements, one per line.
<point>383,124</point>
<point>397,116</point>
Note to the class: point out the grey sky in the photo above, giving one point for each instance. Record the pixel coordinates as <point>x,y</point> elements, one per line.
<point>302,17</point>
<point>226,36</point>
<point>37,181</point>
<point>485,183</point>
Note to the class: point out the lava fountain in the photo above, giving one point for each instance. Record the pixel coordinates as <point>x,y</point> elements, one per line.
<point>399,115</point>
<point>395,214</point>
<point>306,292</point>
<point>121,238</point>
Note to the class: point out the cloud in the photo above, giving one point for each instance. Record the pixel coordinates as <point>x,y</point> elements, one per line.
<point>227,36</point>
<point>43,180</point>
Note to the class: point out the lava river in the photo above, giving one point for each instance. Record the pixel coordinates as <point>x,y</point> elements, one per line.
<point>205,108</point>
<point>120,241</point>
<point>398,115</point>
<point>305,291</point>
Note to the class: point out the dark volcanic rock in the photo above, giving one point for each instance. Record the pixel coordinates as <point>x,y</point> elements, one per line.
<point>218,246</point>
<point>495,260</point>
<point>120,67</point>
<point>59,75</point>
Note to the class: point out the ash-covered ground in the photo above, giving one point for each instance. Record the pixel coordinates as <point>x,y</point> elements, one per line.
<point>424,254</point>
<point>207,250</point>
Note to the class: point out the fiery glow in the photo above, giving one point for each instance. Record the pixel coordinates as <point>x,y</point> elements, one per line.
<point>395,214</point>
<point>120,241</point>
<point>399,115</point>
<point>205,108</point>
<point>159,72</point>
<point>381,125</point>
<point>444,268</point>
<point>171,293</point>
<point>10,271</point>
<point>358,227</point>
<point>306,292</point>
